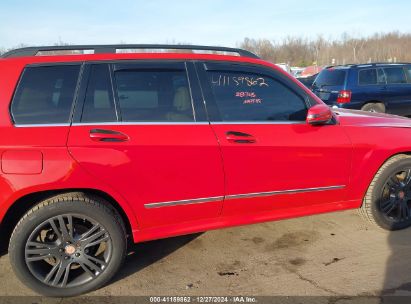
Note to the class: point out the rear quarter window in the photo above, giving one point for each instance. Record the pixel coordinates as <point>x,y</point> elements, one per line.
<point>395,75</point>
<point>45,95</point>
<point>330,77</point>
<point>367,77</point>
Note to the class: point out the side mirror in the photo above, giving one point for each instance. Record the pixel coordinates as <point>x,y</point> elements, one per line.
<point>319,114</point>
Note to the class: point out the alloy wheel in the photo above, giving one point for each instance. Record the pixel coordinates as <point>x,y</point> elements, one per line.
<point>68,250</point>
<point>395,201</point>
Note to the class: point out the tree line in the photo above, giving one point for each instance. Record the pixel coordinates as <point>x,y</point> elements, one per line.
<point>298,51</point>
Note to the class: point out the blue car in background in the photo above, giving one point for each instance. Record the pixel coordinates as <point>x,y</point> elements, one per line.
<point>377,87</point>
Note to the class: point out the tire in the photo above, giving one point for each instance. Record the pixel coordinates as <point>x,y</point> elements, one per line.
<point>374,107</point>
<point>93,253</point>
<point>387,202</point>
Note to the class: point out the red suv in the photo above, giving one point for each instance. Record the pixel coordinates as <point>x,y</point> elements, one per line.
<point>105,144</point>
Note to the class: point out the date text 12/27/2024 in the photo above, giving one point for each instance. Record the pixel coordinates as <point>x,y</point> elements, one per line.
<point>203,299</point>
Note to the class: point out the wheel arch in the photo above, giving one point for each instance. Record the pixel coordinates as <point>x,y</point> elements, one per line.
<point>374,101</point>
<point>24,203</point>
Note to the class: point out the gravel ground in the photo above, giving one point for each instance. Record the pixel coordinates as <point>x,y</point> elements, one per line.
<point>334,255</point>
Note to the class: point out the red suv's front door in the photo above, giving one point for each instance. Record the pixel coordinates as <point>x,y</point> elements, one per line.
<point>272,158</point>
<point>147,143</point>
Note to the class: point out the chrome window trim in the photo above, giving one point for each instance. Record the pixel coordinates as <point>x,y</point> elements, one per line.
<point>122,123</point>
<point>238,196</point>
<point>190,91</point>
<point>258,122</point>
<point>41,125</point>
<point>125,123</point>
<point>184,202</point>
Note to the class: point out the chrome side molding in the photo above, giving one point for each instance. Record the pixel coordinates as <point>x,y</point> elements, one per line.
<point>280,192</point>
<point>238,196</point>
<point>185,202</point>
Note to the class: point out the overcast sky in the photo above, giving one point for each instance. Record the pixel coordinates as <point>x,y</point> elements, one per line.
<point>209,22</point>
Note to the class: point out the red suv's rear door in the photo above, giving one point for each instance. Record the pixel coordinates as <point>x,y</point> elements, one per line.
<point>149,142</point>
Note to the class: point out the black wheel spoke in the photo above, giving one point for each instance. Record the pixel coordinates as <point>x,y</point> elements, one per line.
<point>393,182</point>
<point>407,178</point>
<point>405,211</point>
<point>399,211</point>
<point>71,227</point>
<point>99,241</point>
<point>93,229</point>
<point>94,236</point>
<point>388,206</point>
<point>38,258</point>
<point>84,267</point>
<point>64,231</point>
<point>36,251</point>
<point>61,269</point>
<point>52,273</point>
<point>39,245</point>
<point>66,275</point>
<point>39,251</point>
<point>91,265</point>
<point>96,261</point>
<point>402,211</point>
<point>55,229</point>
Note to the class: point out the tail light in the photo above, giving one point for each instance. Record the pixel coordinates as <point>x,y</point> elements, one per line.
<point>344,96</point>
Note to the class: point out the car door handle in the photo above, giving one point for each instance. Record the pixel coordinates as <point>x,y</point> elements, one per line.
<point>240,137</point>
<point>108,135</point>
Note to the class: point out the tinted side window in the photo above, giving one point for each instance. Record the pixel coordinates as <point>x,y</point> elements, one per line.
<point>99,103</point>
<point>253,97</point>
<point>408,71</point>
<point>367,77</point>
<point>330,77</point>
<point>154,95</point>
<point>45,95</point>
<point>381,77</point>
<point>395,75</point>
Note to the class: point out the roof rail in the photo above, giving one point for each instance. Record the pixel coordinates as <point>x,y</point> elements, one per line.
<point>340,65</point>
<point>113,48</point>
<point>383,63</point>
<point>356,65</point>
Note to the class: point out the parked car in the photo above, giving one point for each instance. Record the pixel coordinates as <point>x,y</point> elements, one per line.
<point>308,81</point>
<point>379,87</point>
<point>105,148</point>
<point>296,71</point>
<point>311,70</point>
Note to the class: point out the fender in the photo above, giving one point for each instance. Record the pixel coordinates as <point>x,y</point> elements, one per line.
<point>371,152</point>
